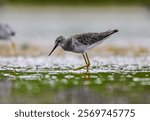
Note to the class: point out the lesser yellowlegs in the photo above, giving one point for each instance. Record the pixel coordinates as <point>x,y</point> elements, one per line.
<point>6,33</point>
<point>81,43</point>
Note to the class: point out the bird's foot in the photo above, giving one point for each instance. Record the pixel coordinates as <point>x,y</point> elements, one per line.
<point>86,66</point>
<point>79,68</point>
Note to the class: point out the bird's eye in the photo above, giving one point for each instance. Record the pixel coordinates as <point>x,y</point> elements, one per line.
<point>59,40</point>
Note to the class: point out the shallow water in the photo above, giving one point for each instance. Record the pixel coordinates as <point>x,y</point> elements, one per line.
<point>51,80</point>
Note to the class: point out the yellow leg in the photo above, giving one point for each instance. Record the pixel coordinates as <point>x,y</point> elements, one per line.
<point>14,48</point>
<point>82,66</point>
<point>86,61</point>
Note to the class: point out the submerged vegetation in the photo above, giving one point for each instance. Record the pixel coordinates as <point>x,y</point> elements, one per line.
<point>41,80</point>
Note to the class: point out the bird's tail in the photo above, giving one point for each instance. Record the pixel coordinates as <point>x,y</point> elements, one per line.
<point>109,32</point>
<point>114,31</point>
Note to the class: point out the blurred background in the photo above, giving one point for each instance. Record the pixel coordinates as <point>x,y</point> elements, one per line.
<point>37,24</point>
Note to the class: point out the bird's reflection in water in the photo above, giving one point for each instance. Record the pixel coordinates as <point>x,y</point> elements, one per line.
<point>87,76</point>
<point>77,95</point>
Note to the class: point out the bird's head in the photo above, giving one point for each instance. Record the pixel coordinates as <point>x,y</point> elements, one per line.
<point>60,41</point>
<point>6,31</point>
<point>9,30</point>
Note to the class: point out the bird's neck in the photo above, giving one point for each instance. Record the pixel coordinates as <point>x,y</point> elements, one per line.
<point>66,45</point>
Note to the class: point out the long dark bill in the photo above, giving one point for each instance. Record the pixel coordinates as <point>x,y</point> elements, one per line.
<point>53,49</point>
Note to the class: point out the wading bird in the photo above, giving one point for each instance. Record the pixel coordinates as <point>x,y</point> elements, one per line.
<point>81,43</point>
<point>6,33</point>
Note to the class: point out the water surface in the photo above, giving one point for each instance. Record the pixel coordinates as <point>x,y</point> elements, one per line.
<point>42,80</point>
